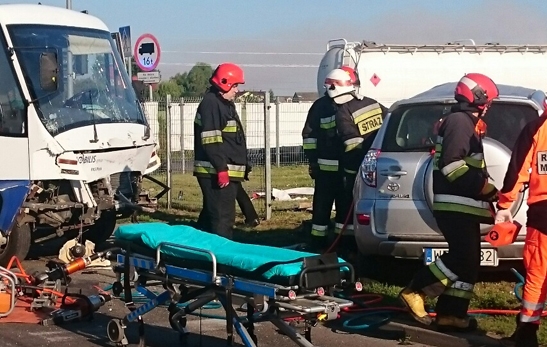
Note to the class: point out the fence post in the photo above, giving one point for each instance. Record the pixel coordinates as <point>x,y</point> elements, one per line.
<point>182,150</point>
<point>267,156</point>
<point>277,116</point>
<point>168,145</point>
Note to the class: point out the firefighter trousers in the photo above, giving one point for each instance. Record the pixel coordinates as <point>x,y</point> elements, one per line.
<point>329,189</point>
<point>535,263</point>
<point>219,207</point>
<point>453,275</point>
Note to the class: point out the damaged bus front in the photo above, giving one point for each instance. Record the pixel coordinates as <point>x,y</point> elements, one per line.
<point>75,141</point>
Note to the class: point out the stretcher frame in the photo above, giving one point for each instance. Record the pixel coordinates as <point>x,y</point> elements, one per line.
<point>265,301</point>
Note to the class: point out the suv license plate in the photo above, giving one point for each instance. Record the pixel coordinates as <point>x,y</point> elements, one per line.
<point>489,256</point>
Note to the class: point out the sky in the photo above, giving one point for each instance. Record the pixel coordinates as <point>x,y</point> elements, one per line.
<point>280,43</point>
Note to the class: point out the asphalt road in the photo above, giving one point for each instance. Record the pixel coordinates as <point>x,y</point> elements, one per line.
<point>204,332</point>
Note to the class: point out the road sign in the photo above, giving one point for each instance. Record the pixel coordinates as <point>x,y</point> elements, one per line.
<point>125,33</point>
<point>149,77</point>
<point>147,52</point>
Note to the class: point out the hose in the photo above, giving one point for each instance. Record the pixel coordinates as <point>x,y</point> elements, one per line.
<point>385,313</point>
<point>382,314</point>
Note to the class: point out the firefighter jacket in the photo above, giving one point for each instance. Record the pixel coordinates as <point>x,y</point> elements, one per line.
<point>322,146</point>
<point>219,139</point>
<point>528,165</point>
<point>357,123</point>
<point>459,170</point>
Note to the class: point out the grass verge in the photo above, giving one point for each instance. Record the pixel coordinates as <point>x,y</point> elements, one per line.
<point>186,194</point>
<point>488,295</point>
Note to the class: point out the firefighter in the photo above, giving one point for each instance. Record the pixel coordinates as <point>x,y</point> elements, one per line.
<point>358,120</point>
<point>220,150</point>
<point>463,198</point>
<point>528,166</point>
<point>322,148</point>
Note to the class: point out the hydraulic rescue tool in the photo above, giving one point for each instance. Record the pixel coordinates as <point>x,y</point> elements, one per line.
<point>82,307</point>
<point>60,271</point>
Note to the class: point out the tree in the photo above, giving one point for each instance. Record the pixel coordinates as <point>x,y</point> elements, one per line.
<point>169,87</point>
<point>134,67</point>
<point>196,81</point>
<point>192,83</point>
<point>272,95</point>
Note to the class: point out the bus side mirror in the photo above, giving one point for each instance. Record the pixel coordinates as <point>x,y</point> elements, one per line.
<point>49,71</point>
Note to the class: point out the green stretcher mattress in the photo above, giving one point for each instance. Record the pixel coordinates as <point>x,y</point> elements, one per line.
<point>266,263</point>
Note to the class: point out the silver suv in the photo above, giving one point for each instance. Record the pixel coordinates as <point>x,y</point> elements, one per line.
<point>393,190</point>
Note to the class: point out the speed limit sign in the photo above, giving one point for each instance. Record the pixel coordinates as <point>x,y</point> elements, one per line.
<point>147,52</point>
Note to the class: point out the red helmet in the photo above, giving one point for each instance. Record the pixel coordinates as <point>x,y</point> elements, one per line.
<point>476,89</point>
<point>354,78</point>
<point>226,75</point>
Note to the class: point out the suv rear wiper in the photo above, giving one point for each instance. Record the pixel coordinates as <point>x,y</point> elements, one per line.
<point>95,136</point>
<point>424,148</point>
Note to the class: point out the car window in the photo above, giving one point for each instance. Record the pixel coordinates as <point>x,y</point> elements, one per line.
<point>412,128</point>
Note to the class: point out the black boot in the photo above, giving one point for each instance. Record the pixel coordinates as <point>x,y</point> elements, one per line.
<point>526,335</point>
<point>454,324</point>
<point>512,337</point>
<point>252,223</point>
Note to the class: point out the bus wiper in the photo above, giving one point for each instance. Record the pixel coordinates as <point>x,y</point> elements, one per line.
<point>146,132</point>
<point>95,136</point>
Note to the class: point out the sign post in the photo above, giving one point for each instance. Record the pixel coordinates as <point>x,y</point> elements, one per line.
<point>149,77</point>
<point>147,52</point>
<point>125,38</point>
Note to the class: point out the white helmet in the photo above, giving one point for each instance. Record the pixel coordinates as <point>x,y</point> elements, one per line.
<point>338,82</point>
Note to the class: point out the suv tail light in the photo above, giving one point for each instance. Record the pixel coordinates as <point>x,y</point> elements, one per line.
<point>363,219</point>
<point>368,167</point>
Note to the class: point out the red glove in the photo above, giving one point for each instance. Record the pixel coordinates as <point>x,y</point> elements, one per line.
<point>223,179</point>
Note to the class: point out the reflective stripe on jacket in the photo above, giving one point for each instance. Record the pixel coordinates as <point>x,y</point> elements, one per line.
<point>528,165</point>
<point>459,170</point>
<point>321,143</point>
<point>357,123</point>
<point>219,139</point>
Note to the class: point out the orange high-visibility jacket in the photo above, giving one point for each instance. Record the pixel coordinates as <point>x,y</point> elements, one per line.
<point>529,165</point>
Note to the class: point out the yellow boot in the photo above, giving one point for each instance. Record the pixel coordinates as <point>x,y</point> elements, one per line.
<point>415,302</point>
<point>451,323</point>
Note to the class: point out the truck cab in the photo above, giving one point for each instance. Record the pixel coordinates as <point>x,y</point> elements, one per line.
<point>75,140</point>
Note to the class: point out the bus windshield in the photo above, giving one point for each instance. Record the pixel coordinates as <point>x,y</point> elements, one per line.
<point>93,86</point>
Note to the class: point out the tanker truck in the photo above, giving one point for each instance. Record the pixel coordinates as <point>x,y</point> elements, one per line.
<point>75,141</point>
<point>392,72</point>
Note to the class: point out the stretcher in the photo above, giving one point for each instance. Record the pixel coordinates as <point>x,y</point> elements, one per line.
<point>276,284</point>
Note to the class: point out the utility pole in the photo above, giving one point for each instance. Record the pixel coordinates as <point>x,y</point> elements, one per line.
<point>69,4</point>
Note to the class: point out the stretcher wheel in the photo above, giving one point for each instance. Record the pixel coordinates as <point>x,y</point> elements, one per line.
<point>117,288</point>
<point>115,331</point>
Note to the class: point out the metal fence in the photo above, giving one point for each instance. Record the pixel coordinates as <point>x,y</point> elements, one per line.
<point>275,125</point>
